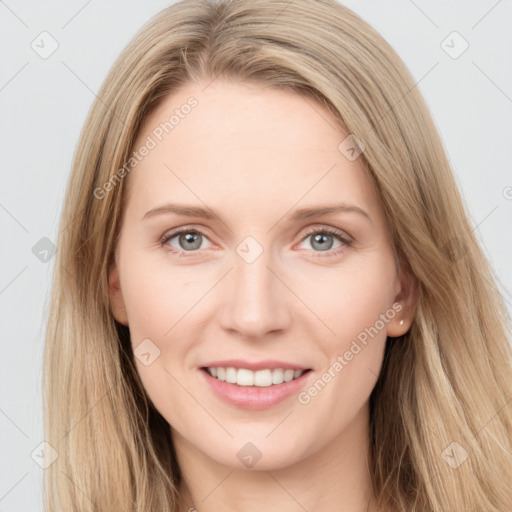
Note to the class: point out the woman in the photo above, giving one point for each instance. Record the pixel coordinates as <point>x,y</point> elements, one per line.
<point>267,293</point>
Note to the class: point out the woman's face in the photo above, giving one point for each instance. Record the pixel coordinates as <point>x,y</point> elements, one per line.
<point>258,281</point>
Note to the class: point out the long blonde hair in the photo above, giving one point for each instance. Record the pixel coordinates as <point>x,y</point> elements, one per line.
<point>441,416</point>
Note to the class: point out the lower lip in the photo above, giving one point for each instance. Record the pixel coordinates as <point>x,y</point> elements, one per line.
<point>254,397</point>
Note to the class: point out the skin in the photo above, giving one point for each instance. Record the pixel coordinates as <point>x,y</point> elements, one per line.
<point>253,155</point>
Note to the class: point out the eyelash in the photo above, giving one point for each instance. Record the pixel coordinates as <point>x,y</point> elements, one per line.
<point>346,242</point>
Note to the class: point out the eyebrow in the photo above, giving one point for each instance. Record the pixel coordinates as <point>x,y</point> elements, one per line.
<point>299,214</point>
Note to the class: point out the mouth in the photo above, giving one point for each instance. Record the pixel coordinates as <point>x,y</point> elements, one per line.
<point>254,390</point>
<point>260,378</point>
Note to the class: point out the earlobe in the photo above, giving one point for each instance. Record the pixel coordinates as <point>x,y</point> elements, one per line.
<point>407,300</point>
<point>116,296</point>
<point>398,326</point>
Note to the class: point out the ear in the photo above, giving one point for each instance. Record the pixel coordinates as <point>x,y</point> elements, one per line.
<point>404,305</point>
<point>116,296</point>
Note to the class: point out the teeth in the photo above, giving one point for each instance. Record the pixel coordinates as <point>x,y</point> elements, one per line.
<point>260,378</point>
<point>231,375</point>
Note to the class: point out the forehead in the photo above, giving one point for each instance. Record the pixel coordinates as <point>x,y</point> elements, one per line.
<point>244,147</point>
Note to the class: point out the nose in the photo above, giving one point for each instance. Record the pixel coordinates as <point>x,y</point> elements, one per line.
<point>257,302</point>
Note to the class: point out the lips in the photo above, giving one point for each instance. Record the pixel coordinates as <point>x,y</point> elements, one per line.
<point>262,393</point>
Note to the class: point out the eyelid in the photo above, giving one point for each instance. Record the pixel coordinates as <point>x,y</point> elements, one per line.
<point>345,239</point>
<point>176,231</point>
<point>323,228</point>
<point>168,235</point>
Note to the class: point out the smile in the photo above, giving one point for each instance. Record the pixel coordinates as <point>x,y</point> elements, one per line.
<point>259,378</point>
<point>255,390</point>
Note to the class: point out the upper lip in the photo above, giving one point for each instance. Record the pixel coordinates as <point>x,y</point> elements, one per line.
<point>255,365</point>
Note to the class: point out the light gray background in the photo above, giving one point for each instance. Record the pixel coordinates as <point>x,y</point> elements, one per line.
<point>44,103</point>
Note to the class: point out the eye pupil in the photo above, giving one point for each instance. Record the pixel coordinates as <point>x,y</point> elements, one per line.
<point>318,237</point>
<point>190,237</point>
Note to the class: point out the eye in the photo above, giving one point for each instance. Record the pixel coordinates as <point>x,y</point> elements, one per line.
<point>187,240</point>
<point>190,240</point>
<point>322,240</point>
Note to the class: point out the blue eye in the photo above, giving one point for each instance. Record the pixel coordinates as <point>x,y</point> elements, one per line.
<point>322,239</point>
<point>190,240</point>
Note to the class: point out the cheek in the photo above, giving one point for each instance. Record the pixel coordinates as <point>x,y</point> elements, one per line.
<point>158,297</point>
<point>159,306</point>
<point>355,303</point>
<point>350,298</point>
<point>159,301</point>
